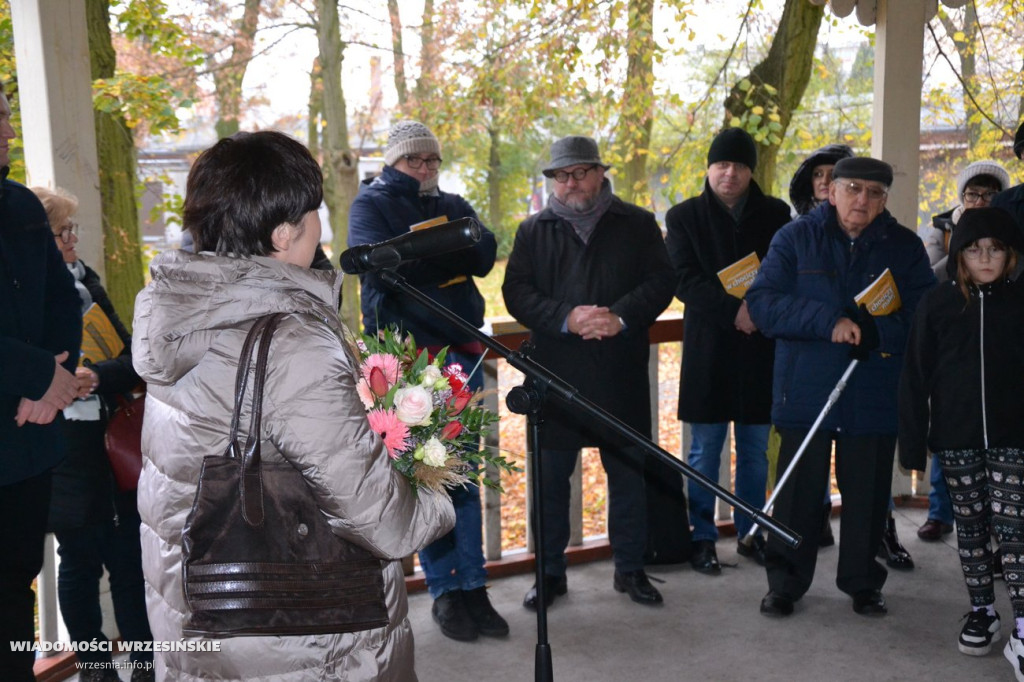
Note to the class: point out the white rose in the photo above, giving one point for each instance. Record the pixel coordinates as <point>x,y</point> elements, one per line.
<point>429,376</point>
<point>413,405</point>
<point>434,453</point>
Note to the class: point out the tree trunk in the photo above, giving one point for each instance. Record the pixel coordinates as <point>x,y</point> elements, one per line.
<point>966,49</point>
<point>494,177</point>
<point>786,69</point>
<point>634,134</point>
<point>316,108</point>
<point>116,157</point>
<point>227,77</point>
<point>340,163</point>
<point>428,55</point>
<point>396,46</point>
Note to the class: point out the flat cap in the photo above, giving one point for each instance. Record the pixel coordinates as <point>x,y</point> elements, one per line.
<point>863,168</point>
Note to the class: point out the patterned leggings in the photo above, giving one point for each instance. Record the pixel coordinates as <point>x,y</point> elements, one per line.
<point>987,489</point>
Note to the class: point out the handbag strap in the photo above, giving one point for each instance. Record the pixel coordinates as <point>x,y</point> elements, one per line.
<point>251,481</point>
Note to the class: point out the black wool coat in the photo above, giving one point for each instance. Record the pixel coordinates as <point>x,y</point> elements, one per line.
<point>726,375</point>
<point>625,267</point>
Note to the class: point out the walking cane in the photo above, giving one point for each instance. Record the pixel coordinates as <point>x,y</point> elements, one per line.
<point>833,398</point>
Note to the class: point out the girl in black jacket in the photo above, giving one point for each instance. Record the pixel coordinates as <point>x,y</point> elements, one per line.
<point>962,372</point>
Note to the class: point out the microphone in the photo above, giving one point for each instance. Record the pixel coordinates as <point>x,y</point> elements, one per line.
<point>433,241</point>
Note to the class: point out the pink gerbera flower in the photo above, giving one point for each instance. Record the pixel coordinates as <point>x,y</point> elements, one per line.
<point>386,363</point>
<point>391,429</point>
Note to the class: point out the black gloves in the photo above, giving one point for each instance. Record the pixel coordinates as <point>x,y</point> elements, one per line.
<point>869,339</point>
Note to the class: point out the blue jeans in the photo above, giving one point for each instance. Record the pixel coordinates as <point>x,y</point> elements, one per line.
<point>751,473</point>
<point>940,507</point>
<point>456,561</point>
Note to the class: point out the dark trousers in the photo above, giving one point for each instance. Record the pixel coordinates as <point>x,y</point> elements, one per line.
<point>23,510</point>
<point>864,475</point>
<point>627,507</point>
<point>84,552</point>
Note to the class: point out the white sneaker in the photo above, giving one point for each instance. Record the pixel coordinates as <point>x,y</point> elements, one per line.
<point>1014,653</point>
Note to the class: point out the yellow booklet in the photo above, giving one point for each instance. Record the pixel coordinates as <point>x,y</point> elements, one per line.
<point>881,297</point>
<point>738,277</point>
<point>99,338</point>
<point>433,222</point>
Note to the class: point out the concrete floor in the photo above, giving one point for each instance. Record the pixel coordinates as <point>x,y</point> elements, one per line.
<point>709,627</point>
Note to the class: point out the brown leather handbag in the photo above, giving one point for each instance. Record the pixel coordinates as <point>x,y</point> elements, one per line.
<point>123,441</point>
<point>258,556</point>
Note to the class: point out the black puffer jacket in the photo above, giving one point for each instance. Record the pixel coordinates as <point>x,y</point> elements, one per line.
<point>965,359</point>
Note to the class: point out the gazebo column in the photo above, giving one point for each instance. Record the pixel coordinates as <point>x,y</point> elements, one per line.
<point>896,120</point>
<point>55,95</point>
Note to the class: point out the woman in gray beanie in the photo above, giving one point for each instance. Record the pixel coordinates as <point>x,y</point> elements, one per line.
<point>976,186</point>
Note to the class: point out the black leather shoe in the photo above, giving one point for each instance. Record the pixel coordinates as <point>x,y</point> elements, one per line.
<point>637,586</point>
<point>488,621</point>
<point>449,611</point>
<point>869,603</point>
<point>826,539</point>
<point>895,555</point>
<point>776,605</point>
<point>755,550</point>
<point>705,559</point>
<point>554,586</point>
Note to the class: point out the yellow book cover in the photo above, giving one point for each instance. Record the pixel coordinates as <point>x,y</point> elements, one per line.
<point>99,338</point>
<point>881,297</point>
<point>433,222</point>
<point>738,277</point>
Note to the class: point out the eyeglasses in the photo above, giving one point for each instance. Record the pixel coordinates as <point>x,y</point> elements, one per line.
<point>71,228</point>
<point>974,252</point>
<point>417,162</point>
<point>854,189</point>
<point>974,197</point>
<point>562,177</point>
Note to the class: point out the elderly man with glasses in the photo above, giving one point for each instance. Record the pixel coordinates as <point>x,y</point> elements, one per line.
<point>803,297</point>
<point>588,275</point>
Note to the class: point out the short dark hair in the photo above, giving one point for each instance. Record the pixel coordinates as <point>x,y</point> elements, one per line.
<point>985,180</point>
<point>242,188</point>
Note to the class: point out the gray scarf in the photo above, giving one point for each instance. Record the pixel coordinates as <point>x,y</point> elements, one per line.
<point>584,222</point>
<point>78,272</point>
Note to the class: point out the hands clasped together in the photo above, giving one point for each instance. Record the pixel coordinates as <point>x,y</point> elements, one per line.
<point>64,388</point>
<point>594,322</point>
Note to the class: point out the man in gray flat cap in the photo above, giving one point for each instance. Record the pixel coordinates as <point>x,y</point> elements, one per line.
<point>803,297</point>
<point>588,275</point>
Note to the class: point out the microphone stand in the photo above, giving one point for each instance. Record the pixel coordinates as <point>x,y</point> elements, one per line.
<point>529,399</point>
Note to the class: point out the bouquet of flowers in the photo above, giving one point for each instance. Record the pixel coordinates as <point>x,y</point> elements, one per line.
<point>431,423</point>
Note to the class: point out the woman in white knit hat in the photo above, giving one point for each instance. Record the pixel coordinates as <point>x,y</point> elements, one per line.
<point>976,185</point>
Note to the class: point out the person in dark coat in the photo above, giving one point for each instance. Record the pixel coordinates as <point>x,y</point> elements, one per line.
<point>726,371</point>
<point>803,297</point>
<point>977,184</point>
<point>40,334</point>
<point>96,525</point>
<point>405,197</point>
<point>589,275</point>
<point>808,189</point>
<point>958,399</point>
<point>1012,200</point>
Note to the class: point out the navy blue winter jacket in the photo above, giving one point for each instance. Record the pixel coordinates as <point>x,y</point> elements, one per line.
<point>40,317</point>
<point>807,282</point>
<point>386,207</point>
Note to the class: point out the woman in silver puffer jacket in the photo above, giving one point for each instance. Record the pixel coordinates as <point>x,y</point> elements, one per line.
<point>251,205</point>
